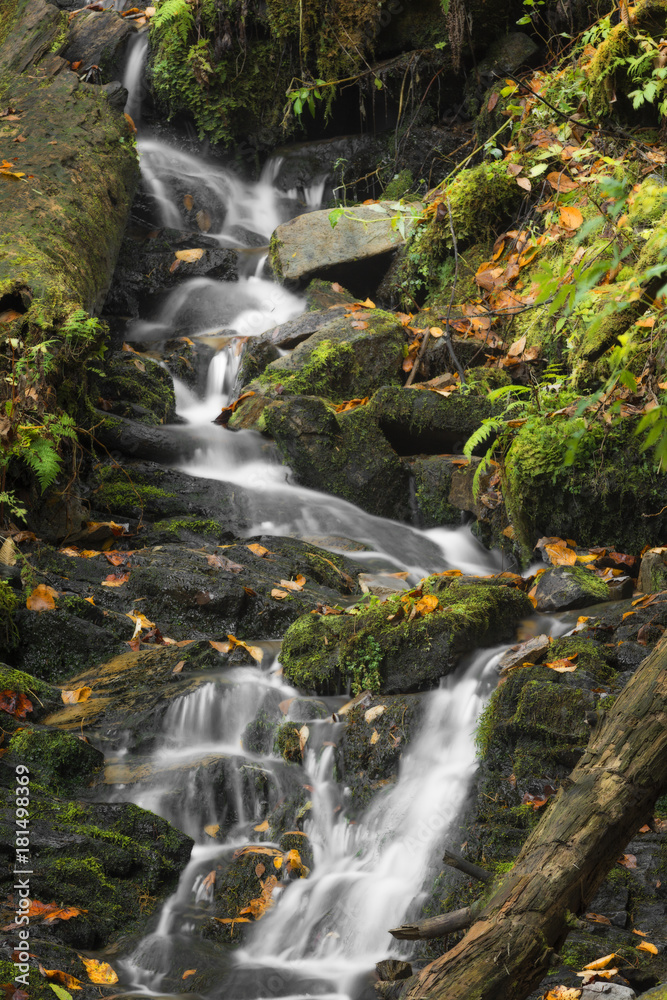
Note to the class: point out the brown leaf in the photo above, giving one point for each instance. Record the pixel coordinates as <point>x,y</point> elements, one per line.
<point>77,695</point>
<point>279,595</point>
<point>516,349</point>
<point>564,665</point>
<point>258,549</point>
<point>598,918</point>
<point>15,703</point>
<point>42,598</point>
<point>561,182</point>
<point>188,202</point>
<point>188,972</point>
<point>524,183</point>
<point>221,562</point>
<point>360,325</point>
<point>628,861</point>
<point>179,666</point>
<point>203,221</point>
<point>493,100</point>
<point>571,217</point>
<point>58,976</point>
<point>116,580</point>
<point>222,647</point>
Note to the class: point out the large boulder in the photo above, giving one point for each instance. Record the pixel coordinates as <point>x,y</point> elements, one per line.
<point>417,420</point>
<point>345,454</point>
<point>307,246</point>
<point>381,648</point>
<point>563,587</point>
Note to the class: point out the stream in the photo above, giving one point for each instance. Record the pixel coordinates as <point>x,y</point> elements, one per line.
<point>324,934</point>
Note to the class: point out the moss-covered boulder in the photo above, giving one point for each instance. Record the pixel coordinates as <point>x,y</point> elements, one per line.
<point>416,420</point>
<point>381,649</point>
<point>32,696</point>
<point>62,761</point>
<point>544,496</point>
<point>345,454</point>
<point>138,388</point>
<point>288,743</point>
<point>342,361</point>
<point>112,861</point>
<point>563,587</point>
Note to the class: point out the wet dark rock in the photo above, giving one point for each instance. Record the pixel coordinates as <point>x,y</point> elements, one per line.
<point>188,592</point>
<point>563,587</point>
<point>321,295</point>
<point>325,653</point>
<point>141,439</point>
<point>146,271</point>
<point>98,38</point>
<point>345,454</point>
<point>189,360</point>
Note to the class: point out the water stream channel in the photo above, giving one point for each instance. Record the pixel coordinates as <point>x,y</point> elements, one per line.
<point>324,934</point>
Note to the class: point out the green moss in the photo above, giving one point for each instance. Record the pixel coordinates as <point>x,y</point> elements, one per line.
<point>177,529</point>
<point>590,657</point>
<point>258,735</point>
<point>61,38</point>
<point>17,680</point>
<point>400,185</point>
<point>8,605</point>
<point>58,758</point>
<point>287,743</point>
<point>599,507</point>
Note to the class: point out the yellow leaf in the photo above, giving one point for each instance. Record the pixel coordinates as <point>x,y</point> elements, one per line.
<point>77,695</point>
<point>559,554</point>
<point>374,713</point>
<point>222,647</point>
<point>259,550</point>
<point>367,304</point>
<point>647,946</point>
<point>375,736</point>
<point>278,594</point>
<point>278,862</point>
<point>562,666</point>
<point>426,604</point>
<point>188,202</point>
<point>600,963</point>
<point>188,972</point>
<point>189,256</point>
<point>203,221</point>
<point>295,585</point>
<point>304,733</point>
<point>435,331</point>
<point>212,829</point>
<point>563,993</point>
<point>262,828</point>
<point>61,977</point>
<point>99,972</point>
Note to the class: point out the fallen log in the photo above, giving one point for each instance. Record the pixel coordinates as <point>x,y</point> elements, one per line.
<point>611,792</point>
<point>467,867</point>
<point>435,927</point>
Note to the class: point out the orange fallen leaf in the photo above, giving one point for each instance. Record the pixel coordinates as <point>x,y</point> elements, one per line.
<point>258,549</point>
<point>179,666</point>
<point>516,349</point>
<point>563,993</point>
<point>15,703</point>
<point>425,605</point>
<point>61,977</point>
<point>203,220</point>
<point>188,972</point>
<point>647,946</point>
<point>99,972</point>
<point>600,963</point>
<point>598,918</point>
<point>113,580</point>
<point>564,665</point>
<point>636,931</point>
<point>42,598</point>
<point>188,202</point>
<point>77,695</point>
<point>366,304</point>
<point>628,861</point>
<point>560,182</point>
<point>189,256</point>
<point>262,827</point>
<point>360,325</point>
<point>570,217</point>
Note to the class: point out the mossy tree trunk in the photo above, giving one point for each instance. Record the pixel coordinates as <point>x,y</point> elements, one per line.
<point>66,187</point>
<point>610,794</point>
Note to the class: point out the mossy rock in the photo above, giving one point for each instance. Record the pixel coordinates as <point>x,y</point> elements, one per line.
<point>340,361</point>
<point>42,696</point>
<point>238,883</point>
<point>138,388</point>
<point>258,736</point>
<point>60,760</point>
<point>114,861</point>
<point>344,454</point>
<point>296,840</point>
<point>287,743</point>
<point>416,421</point>
<point>327,653</point>
<point>9,603</point>
<point>560,588</point>
<point>546,497</point>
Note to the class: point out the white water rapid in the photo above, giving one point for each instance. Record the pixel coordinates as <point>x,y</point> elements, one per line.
<point>324,933</point>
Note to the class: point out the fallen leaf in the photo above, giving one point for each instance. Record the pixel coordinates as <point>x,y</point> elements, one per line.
<point>564,665</point>
<point>560,182</point>
<point>524,183</point>
<point>360,325</point>
<point>366,304</point>
<point>636,931</point>
<point>188,202</point>
<point>563,993</point>
<point>516,349</point>
<point>61,977</point>
<point>374,713</point>
<point>15,703</point>
<point>258,550</point>
<point>598,918</point>
<point>262,827</point>
<point>179,666</point>
<point>42,598</point>
<point>304,733</point>
<point>221,562</point>
<point>628,861</point>
<point>99,972</point>
<point>189,256</point>
<point>375,736</point>
<point>116,580</point>
<point>426,604</point>
<point>77,695</point>
<point>647,946</point>
<point>212,829</point>
<point>600,963</point>
<point>279,595</point>
<point>203,220</point>
<point>188,972</point>
<point>570,217</point>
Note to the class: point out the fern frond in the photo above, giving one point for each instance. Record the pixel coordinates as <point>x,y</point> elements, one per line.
<point>507,390</point>
<point>489,426</point>
<point>480,470</point>
<point>43,459</point>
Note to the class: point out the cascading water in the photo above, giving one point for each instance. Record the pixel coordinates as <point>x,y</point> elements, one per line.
<point>325,933</point>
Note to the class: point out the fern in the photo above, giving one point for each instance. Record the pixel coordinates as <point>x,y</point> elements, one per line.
<point>489,426</point>
<point>177,11</point>
<point>42,458</point>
